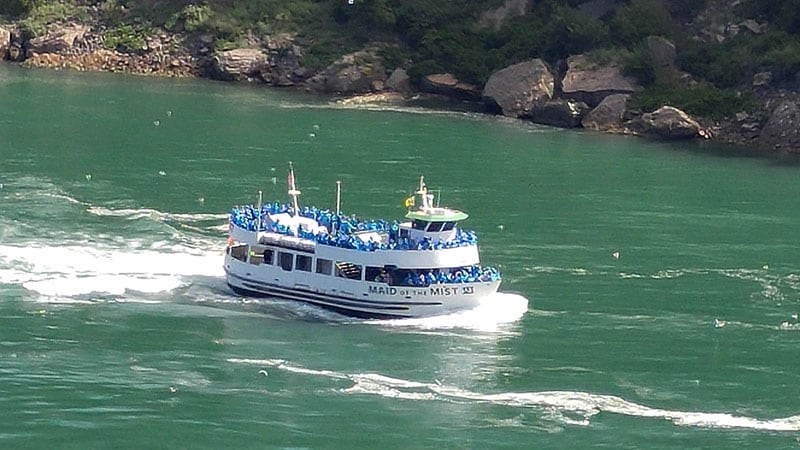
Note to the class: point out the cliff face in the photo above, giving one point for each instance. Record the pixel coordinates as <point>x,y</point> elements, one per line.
<point>611,64</point>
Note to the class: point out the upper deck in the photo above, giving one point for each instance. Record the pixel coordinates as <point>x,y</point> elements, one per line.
<point>431,237</point>
<point>339,230</point>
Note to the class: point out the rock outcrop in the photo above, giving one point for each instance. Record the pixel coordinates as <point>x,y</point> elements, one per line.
<point>79,47</point>
<point>15,49</point>
<point>668,123</point>
<point>607,116</point>
<point>5,42</point>
<point>283,62</point>
<point>662,52</point>
<point>782,131</point>
<point>450,86</point>
<point>497,16</point>
<point>59,39</point>
<point>590,82</point>
<point>354,73</point>
<point>559,113</point>
<point>515,90</point>
<point>240,64</point>
<point>399,81</point>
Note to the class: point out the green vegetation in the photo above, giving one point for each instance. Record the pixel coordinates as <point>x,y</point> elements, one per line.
<point>39,13</point>
<point>704,101</point>
<point>125,39</point>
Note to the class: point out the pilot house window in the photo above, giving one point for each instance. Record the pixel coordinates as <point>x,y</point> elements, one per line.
<point>435,226</point>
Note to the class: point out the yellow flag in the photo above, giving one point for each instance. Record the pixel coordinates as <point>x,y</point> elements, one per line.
<point>409,202</point>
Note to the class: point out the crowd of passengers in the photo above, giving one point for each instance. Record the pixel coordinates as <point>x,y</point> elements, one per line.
<point>464,275</point>
<point>340,229</point>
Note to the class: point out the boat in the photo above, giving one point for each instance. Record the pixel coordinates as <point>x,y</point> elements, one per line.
<point>423,266</point>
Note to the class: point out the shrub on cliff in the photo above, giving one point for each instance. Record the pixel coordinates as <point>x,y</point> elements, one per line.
<point>43,13</point>
<point>639,19</point>
<point>781,14</point>
<point>125,39</point>
<point>734,61</point>
<point>702,101</point>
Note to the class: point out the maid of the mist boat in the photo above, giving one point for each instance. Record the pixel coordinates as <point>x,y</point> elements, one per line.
<point>424,266</point>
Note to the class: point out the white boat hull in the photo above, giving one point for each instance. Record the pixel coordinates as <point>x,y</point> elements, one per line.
<point>355,298</point>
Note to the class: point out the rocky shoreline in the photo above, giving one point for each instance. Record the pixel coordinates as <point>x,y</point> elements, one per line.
<point>581,93</point>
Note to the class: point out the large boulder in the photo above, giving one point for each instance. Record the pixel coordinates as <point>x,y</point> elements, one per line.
<point>283,62</point>
<point>16,51</point>
<point>59,39</point>
<point>607,116</point>
<point>399,81</point>
<point>515,90</point>
<point>239,64</point>
<point>497,16</point>
<point>5,42</point>
<point>782,130</point>
<point>589,82</point>
<point>662,52</point>
<point>668,123</point>
<point>448,85</point>
<point>354,73</point>
<point>559,113</point>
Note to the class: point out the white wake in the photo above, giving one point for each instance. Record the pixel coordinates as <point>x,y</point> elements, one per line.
<point>584,404</point>
<point>75,270</point>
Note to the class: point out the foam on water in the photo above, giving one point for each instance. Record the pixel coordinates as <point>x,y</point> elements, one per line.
<point>64,265</point>
<point>75,270</point>
<point>563,406</point>
<point>491,315</point>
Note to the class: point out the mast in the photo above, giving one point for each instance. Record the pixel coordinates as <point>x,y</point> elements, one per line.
<point>260,198</point>
<point>338,195</point>
<point>293,192</point>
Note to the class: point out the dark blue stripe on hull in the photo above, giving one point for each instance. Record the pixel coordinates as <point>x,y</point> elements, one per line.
<point>337,309</point>
<point>346,305</point>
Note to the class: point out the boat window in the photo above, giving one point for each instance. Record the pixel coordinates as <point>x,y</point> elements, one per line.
<point>348,270</point>
<point>303,263</point>
<point>448,226</point>
<point>256,257</point>
<point>269,256</point>
<point>435,226</point>
<point>285,259</point>
<point>324,266</point>
<point>239,252</point>
<point>419,224</point>
<point>379,274</point>
<point>373,273</point>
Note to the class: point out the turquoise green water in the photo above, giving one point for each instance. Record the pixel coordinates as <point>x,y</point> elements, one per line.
<point>118,331</point>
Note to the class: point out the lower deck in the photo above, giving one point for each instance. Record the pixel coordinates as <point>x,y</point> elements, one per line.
<point>348,288</point>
